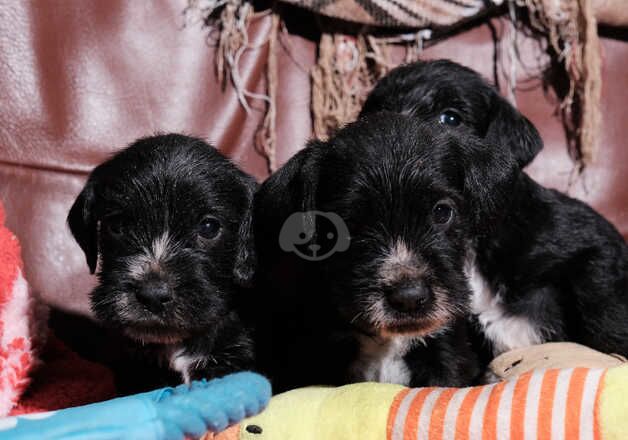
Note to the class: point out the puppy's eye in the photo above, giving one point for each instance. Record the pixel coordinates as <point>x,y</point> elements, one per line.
<point>450,117</point>
<point>114,227</point>
<point>209,228</point>
<point>443,212</point>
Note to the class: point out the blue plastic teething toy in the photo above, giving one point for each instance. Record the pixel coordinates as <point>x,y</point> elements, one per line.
<point>164,414</point>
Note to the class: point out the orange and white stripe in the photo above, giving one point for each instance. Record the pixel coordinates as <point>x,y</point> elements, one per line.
<point>505,410</point>
<point>549,404</point>
<point>453,409</point>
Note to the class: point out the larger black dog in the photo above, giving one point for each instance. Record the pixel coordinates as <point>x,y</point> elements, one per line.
<point>435,219</point>
<point>363,242</point>
<point>551,268</point>
<point>169,219</point>
<point>458,98</point>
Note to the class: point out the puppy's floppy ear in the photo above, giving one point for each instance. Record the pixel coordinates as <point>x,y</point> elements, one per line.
<point>291,189</point>
<point>490,176</point>
<point>508,128</point>
<point>307,185</point>
<point>83,223</point>
<point>246,257</point>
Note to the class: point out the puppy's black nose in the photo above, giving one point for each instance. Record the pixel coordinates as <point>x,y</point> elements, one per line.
<point>409,298</point>
<point>154,294</point>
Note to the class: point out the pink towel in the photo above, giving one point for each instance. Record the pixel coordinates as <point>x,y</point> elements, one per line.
<point>17,323</point>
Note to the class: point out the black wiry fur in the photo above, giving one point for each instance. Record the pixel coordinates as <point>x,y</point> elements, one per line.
<point>382,175</point>
<point>426,89</point>
<point>549,258</point>
<point>160,185</point>
<point>557,263</point>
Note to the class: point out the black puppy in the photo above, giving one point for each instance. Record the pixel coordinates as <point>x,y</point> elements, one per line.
<point>457,97</point>
<point>363,241</point>
<point>169,219</point>
<point>550,269</point>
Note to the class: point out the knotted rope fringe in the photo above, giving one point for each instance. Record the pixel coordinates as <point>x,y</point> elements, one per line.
<point>571,28</point>
<point>348,66</point>
<point>230,19</point>
<point>347,69</point>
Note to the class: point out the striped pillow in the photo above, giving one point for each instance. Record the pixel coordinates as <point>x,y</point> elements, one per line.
<point>545,404</point>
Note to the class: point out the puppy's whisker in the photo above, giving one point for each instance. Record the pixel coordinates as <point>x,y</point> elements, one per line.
<point>356,317</point>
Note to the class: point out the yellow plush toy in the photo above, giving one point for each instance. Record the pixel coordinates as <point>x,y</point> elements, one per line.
<point>568,403</point>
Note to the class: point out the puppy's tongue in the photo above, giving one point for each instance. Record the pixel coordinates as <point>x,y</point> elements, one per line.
<point>155,335</point>
<point>414,329</point>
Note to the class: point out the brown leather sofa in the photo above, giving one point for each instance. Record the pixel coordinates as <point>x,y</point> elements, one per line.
<point>80,80</point>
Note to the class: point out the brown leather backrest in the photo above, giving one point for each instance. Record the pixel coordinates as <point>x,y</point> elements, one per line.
<point>82,80</point>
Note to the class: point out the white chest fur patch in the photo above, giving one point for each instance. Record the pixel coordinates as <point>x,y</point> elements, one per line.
<point>382,360</point>
<point>504,330</point>
<point>184,364</point>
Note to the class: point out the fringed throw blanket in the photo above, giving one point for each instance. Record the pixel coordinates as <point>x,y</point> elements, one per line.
<point>348,65</point>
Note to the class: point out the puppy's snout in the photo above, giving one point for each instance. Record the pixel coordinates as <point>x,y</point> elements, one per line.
<point>154,294</point>
<point>409,298</point>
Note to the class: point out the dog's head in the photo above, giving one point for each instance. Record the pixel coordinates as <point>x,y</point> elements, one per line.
<point>459,99</point>
<point>169,220</point>
<point>412,197</point>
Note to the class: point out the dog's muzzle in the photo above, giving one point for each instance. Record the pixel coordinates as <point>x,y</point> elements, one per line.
<point>409,297</point>
<point>154,294</point>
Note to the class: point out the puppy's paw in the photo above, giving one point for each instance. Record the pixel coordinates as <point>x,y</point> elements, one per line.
<point>490,377</point>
